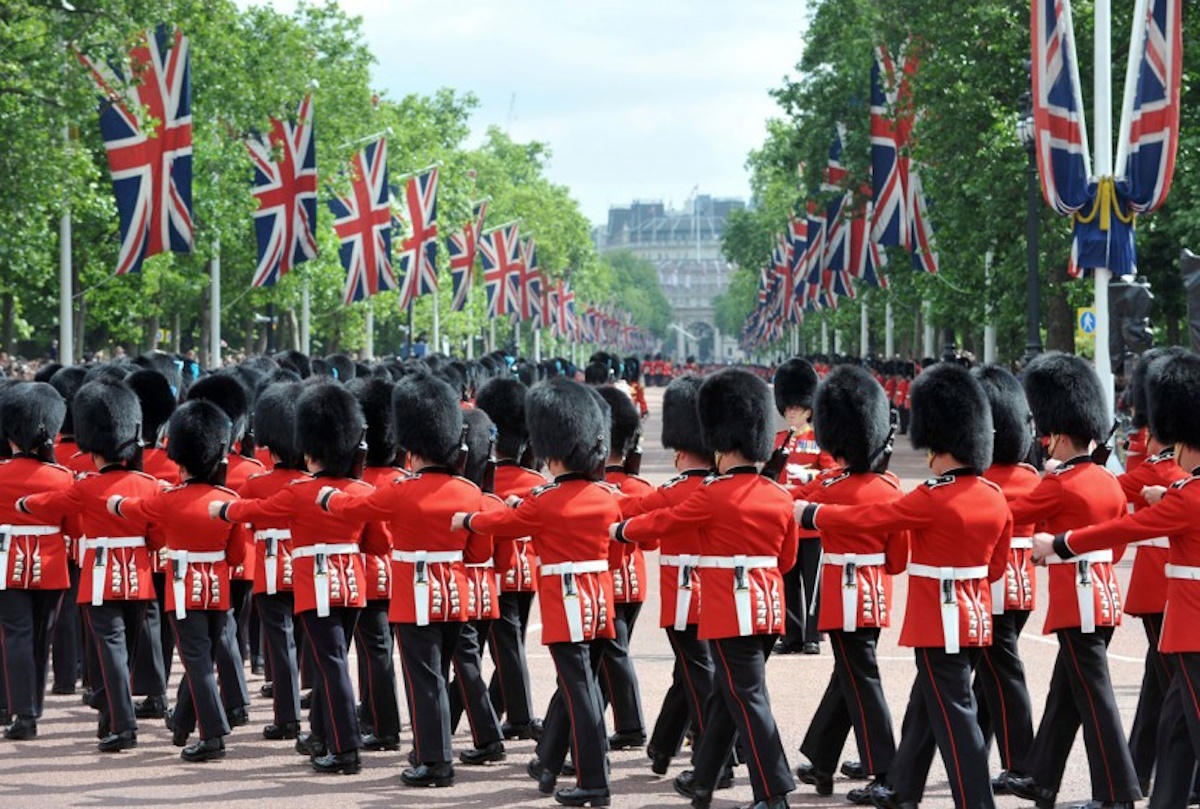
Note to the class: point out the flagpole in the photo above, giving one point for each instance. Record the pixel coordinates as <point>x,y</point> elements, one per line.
<point>864,329</point>
<point>305,316</point>
<point>537,345</point>
<point>1103,166</point>
<point>409,337</point>
<point>437,325</point>
<point>66,326</point>
<point>824,336</point>
<point>491,334</point>
<point>889,331</point>
<point>517,336</point>
<point>927,316</point>
<point>369,344</point>
<point>214,314</point>
<point>989,329</point>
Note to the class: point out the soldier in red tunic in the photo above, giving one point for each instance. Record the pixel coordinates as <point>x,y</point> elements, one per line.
<point>747,537</point>
<point>1172,413</point>
<point>852,423</point>
<point>116,585</point>
<point>1085,601</point>
<point>200,552</point>
<point>960,531</point>
<point>568,521</point>
<point>516,562</point>
<point>33,557</point>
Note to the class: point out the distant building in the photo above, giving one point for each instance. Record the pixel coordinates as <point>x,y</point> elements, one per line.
<point>685,246</point>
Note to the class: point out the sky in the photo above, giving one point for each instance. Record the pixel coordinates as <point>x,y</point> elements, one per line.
<point>638,99</point>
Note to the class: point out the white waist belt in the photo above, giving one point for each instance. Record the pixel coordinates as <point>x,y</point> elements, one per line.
<point>320,553</point>
<point>572,606</point>
<point>1021,543</point>
<point>490,563</point>
<point>271,537</point>
<point>683,584</point>
<point>850,563</point>
<point>999,595</point>
<point>1084,591</point>
<point>740,565</point>
<point>1153,542</point>
<point>420,560</point>
<point>7,532</point>
<point>180,561</point>
<point>100,563</point>
<point>946,576</point>
<point>1183,572</point>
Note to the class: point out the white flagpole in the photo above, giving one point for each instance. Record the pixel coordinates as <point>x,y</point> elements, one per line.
<point>927,315</point>
<point>369,345</point>
<point>437,324</point>
<point>305,317</point>
<point>537,345</point>
<point>1103,165</point>
<point>889,333</point>
<point>824,336</point>
<point>491,334</point>
<point>66,325</point>
<point>864,329</point>
<point>214,314</point>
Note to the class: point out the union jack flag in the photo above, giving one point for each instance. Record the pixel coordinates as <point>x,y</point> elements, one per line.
<point>285,185</point>
<point>920,231</point>
<point>500,250</point>
<point>562,312</point>
<point>866,259</point>
<point>1154,129</point>
<point>150,159</point>
<point>837,232</point>
<point>814,258</point>
<point>463,248</point>
<point>418,252</point>
<point>1064,161</point>
<point>532,300</point>
<point>887,226</point>
<point>798,236</point>
<point>363,222</point>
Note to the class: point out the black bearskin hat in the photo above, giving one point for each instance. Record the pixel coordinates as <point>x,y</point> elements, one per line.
<point>596,373</point>
<point>168,366</point>
<point>504,402</point>
<point>1137,383</point>
<point>681,422</point>
<point>479,441</point>
<point>108,420</point>
<point>342,367</point>
<point>851,417</point>
<point>275,417</point>
<point>228,393</point>
<point>428,417</point>
<point>198,437</point>
<point>329,426</point>
<point>734,407</point>
<point>1011,420</point>
<point>295,361</point>
<point>951,414</point>
<point>1066,398</point>
<point>67,382</point>
<point>795,384</point>
<point>46,371</point>
<point>375,396</point>
<point>1172,391</point>
<point>31,414</point>
<point>624,419</point>
<point>567,423</point>
<point>157,399</point>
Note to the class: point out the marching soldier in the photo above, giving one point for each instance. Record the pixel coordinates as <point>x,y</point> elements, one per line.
<point>795,384</point>
<point>747,536</point>
<point>33,557</point>
<point>429,599</point>
<point>960,530</point>
<point>852,425</point>
<point>1000,691</point>
<point>567,520</point>
<point>327,563</point>
<point>1172,418</point>
<point>1085,602</point>
<point>516,563</point>
<point>115,585</point>
<point>618,679</point>
<point>200,553</point>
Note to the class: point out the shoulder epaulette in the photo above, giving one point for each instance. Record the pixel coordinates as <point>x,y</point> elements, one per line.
<point>261,474</point>
<point>991,483</point>
<point>835,479</point>
<point>943,480</point>
<point>1162,457</point>
<point>1179,484</point>
<point>143,474</point>
<point>604,484</point>
<point>891,478</point>
<point>226,490</point>
<point>1067,467</point>
<point>538,491</point>
<point>675,481</point>
<point>1028,466</point>
<point>710,480</point>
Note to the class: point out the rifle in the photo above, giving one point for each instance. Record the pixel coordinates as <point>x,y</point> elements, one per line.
<point>633,461</point>
<point>774,466</point>
<point>1103,450</point>
<point>359,462</point>
<point>488,484</point>
<point>884,458</point>
<point>460,460</point>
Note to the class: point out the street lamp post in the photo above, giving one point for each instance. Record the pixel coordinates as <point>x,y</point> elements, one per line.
<point>1026,132</point>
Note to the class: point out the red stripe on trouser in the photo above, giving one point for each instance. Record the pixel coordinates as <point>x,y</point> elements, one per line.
<point>949,731</point>
<point>1095,718</point>
<point>337,742</point>
<point>762,774</point>
<point>370,680</point>
<point>687,677</point>
<point>841,642</point>
<point>408,694</point>
<point>1003,708</point>
<point>191,690</point>
<point>462,690</point>
<point>566,692</point>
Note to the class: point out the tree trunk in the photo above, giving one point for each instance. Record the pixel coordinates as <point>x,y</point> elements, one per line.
<point>10,317</point>
<point>1060,320</point>
<point>152,333</point>
<point>204,358</point>
<point>293,325</point>
<point>1172,331</point>
<point>248,346</point>
<point>176,328</point>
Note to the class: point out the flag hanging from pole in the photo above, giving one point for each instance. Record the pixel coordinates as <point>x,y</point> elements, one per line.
<point>532,300</point>
<point>146,123</point>
<point>285,187</point>
<point>363,222</point>
<point>463,248</point>
<point>418,252</point>
<point>500,251</point>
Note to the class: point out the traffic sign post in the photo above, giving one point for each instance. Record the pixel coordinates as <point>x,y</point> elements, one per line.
<point>1085,327</point>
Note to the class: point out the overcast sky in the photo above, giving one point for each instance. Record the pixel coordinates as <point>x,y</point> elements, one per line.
<point>638,99</point>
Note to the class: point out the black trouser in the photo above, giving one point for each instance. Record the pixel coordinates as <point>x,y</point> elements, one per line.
<point>1001,696</point>
<point>279,640</point>
<point>468,692</point>
<point>740,705</point>
<point>575,715</point>
<point>91,653</point>
<point>26,627</point>
<point>377,668</point>
<point>68,637</point>
<point>240,592</point>
<point>425,655</point>
<point>1178,732</point>
<point>198,636</point>
<point>853,699</point>
<point>115,629</point>
<point>332,717</point>
<point>156,646</point>
<point>618,680</point>
<point>941,716</point>
<point>1081,693</point>
<point>230,666</point>
<point>509,687</point>
<point>691,688</point>
<point>801,596</point>
<point>1155,681</point>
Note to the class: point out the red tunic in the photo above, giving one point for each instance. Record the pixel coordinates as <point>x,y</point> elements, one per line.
<point>239,471</point>
<point>182,513</point>
<point>156,463</point>
<point>379,568</point>
<point>737,514</point>
<point>1075,495</point>
<point>1020,577</point>
<point>1175,517</point>
<point>956,521</point>
<point>1136,452</point>
<point>261,487</point>
<point>627,561</point>
<point>805,462</point>
<point>34,561</point>
<point>1147,591</point>
<point>568,521</point>
<point>311,525</point>
<point>64,452</point>
<point>516,561</point>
